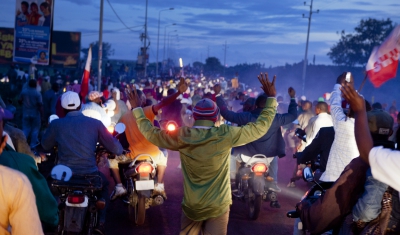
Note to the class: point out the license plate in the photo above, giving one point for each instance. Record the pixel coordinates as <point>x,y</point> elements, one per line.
<point>144,185</point>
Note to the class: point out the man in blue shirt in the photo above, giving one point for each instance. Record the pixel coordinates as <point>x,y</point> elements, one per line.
<point>272,143</point>
<point>32,105</point>
<point>76,137</point>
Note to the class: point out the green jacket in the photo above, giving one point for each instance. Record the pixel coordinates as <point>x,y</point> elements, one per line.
<point>46,204</point>
<point>205,153</point>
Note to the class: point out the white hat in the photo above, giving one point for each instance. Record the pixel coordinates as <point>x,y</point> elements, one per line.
<point>53,117</point>
<point>70,100</point>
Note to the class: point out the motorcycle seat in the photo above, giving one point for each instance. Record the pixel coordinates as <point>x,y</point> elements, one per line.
<point>80,182</point>
<point>259,158</point>
<point>143,157</point>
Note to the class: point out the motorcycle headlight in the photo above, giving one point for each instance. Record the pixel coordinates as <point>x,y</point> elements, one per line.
<point>318,193</point>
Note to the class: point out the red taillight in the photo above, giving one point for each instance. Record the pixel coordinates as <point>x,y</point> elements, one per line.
<point>259,168</point>
<point>76,199</point>
<point>171,127</point>
<point>144,168</point>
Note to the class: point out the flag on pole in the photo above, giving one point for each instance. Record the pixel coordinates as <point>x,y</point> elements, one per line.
<point>86,75</point>
<point>383,62</point>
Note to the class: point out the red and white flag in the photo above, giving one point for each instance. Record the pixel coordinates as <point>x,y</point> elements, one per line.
<point>86,76</point>
<point>383,62</point>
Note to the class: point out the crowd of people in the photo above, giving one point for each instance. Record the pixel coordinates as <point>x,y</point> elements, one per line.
<point>220,122</point>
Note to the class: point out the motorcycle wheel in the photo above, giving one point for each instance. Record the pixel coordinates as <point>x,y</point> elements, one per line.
<point>137,212</point>
<point>253,204</point>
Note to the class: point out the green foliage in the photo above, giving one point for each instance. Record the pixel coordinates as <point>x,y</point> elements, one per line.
<point>355,49</point>
<point>107,50</point>
<point>198,65</point>
<point>213,65</point>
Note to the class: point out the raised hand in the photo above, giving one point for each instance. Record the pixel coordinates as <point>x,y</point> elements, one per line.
<point>357,103</point>
<point>267,86</point>
<point>132,95</point>
<point>182,86</point>
<point>342,78</point>
<point>291,92</point>
<point>217,89</point>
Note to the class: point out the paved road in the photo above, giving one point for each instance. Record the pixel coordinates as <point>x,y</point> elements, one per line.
<point>165,219</point>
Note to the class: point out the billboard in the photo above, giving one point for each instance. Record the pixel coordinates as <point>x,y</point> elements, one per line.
<point>6,45</point>
<point>32,34</point>
<point>65,47</point>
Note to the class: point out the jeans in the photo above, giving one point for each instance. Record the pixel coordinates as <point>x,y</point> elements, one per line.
<point>273,169</point>
<point>368,206</point>
<point>31,128</point>
<point>104,195</point>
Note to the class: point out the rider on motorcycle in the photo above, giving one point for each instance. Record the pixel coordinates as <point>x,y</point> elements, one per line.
<point>139,145</point>
<point>76,137</point>
<point>205,152</point>
<point>321,145</point>
<point>272,143</point>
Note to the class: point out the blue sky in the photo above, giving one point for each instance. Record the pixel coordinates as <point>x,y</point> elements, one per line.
<point>269,32</point>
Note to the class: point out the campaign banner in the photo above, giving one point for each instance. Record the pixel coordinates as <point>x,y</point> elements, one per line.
<point>6,45</point>
<point>65,48</point>
<point>32,34</point>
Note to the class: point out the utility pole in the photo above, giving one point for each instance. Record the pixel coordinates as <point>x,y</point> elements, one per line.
<point>158,35</point>
<point>145,42</point>
<point>308,36</point>
<point>225,47</point>
<point>100,54</point>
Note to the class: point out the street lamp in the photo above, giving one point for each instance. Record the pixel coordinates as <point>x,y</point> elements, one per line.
<point>165,37</point>
<point>168,42</point>
<point>158,34</point>
<point>144,44</point>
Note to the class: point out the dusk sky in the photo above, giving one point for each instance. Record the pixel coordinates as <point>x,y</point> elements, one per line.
<point>270,32</point>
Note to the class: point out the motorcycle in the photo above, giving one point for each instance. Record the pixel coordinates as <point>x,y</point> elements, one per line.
<point>139,177</point>
<point>78,209</point>
<point>78,194</point>
<point>252,183</point>
<point>312,195</point>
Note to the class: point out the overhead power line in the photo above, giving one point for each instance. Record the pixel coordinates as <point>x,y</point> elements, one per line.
<point>113,30</point>
<point>109,3</point>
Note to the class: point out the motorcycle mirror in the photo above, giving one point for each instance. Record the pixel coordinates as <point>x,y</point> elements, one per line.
<point>120,128</point>
<point>308,174</point>
<point>61,172</point>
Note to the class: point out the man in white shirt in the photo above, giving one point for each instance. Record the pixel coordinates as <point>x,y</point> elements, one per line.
<point>384,163</point>
<point>306,115</point>
<point>344,147</point>
<point>323,119</point>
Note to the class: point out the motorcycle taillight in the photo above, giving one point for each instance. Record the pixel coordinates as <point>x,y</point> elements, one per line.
<point>76,199</point>
<point>259,168</point>
<point>144,168</point>
<point>171,127</point>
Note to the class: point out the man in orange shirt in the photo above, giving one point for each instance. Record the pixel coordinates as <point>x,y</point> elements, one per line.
<point>138,144</point>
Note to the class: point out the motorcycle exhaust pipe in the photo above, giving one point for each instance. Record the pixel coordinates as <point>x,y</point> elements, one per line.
<point>158,200</point>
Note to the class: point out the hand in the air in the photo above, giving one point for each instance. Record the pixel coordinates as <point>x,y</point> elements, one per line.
<point>267,86</point>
